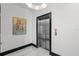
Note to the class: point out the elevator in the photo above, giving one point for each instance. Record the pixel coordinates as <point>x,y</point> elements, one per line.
<point>44,31</point>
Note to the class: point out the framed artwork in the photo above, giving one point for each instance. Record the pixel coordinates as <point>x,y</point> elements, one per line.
<point>19,26</point>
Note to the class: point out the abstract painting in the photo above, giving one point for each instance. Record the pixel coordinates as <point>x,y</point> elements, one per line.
<point>19,26</point>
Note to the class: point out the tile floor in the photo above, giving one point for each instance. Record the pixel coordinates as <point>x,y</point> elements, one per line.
<point>30,51</point>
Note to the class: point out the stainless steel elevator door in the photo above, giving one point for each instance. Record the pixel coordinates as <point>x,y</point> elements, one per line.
<point>43,33</point>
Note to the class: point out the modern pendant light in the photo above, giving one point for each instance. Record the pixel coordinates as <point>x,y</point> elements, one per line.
<point>36,6</point>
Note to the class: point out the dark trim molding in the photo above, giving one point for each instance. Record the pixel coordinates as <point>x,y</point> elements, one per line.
<point>16,49</point>
<point>54,54</point>
<point>34,45</point>
<point>19,48</point>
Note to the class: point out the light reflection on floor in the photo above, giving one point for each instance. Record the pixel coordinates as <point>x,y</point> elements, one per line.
<point>30,51</point>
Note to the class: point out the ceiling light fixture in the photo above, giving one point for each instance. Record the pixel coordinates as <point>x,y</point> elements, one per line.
<point>36,6</point>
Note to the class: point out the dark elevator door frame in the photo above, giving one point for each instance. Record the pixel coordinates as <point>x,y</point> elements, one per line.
<point>43,17</point>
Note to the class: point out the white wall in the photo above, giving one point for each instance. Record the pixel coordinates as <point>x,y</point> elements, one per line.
<point>10,41</point>
<point>65,17</point>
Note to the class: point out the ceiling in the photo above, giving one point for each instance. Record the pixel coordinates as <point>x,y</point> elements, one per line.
<point>23,5</point>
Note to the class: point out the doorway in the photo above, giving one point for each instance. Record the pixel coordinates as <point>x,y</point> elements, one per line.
<point>43,31</point>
